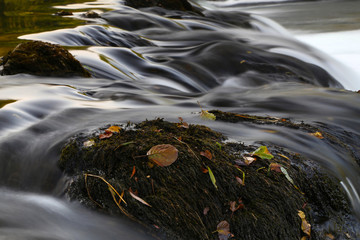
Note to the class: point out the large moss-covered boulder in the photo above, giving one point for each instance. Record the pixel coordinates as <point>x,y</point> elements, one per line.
<point>42,59</point>
<point>209,183</point>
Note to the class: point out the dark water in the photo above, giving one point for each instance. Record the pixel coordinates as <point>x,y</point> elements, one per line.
<point>149,64</point>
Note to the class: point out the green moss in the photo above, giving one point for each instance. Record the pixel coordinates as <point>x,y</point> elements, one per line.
<point>5,102</point>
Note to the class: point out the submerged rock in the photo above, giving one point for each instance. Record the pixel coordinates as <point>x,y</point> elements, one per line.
<point>64,13</point>
<point>182,5</point>
<point>208,184</point>
<point>42,59</point>
<point>91,14</point>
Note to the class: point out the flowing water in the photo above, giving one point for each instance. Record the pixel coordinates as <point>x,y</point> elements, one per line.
<point>149,64</point>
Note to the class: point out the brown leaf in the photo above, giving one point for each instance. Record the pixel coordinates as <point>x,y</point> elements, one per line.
<point>223,229</point>
<point>329,236</point>
<point>182,123</point>
<point>206,154</point>
<point>233,206</point>
<point>163,155</point>
<point>204,170</point>
<point>138,198</point>
<point>206,210</point>
<point>275,167</point>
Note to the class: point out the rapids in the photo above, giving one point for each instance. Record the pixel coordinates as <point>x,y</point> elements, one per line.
<point>160,63</point>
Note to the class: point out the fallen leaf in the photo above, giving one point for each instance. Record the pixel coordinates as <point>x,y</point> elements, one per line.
<point>242,61</point>
<point>305,226</point>
<point>204,170</point>
<point>317,134</point>
<point>133,172</point>
<point>233,206</point>
<point>330,236</point>
<point>283,170</point>
<point>163,155</point>
<point>105,135</point>
<point>182,123</point>
<point>239,180</point>
<point>113,129</point>
<point>223,229</point>
<point>248,159</point>
<point>243,177</point>
<point>347,234</point>
<point>138,198</point>
<point>206,210</point>
<point>206,154</point>
<point>89,143</point>
<point>263,153</point>
<point>212,177</point>
<point>241,204</point>
<point>275,167</point>
<point>206,115</point>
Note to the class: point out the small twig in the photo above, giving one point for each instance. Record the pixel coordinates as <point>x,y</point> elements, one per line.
<point>188,148</point>
<point>109,185</point>
<point>88,192</point>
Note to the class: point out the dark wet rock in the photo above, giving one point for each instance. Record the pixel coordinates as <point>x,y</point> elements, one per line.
<point>91,14</point>
<point>42,59</point>
<point>182,5</point>
<point>64,13</point>
<point>181,192</point>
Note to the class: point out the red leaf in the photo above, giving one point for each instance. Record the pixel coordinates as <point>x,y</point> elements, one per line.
<point>204,170</point>
<point>105,135</point>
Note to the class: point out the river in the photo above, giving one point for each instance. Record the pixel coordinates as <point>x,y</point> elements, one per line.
<point>126,55</point>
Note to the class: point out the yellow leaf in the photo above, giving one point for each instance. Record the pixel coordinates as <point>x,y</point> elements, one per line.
<point>263,153</point>
<point>113,129</point>
<point>206,115</point>
<point>317,134</point>
<point>305,226</point>
<point>212,177</point>
<point>163,155</point>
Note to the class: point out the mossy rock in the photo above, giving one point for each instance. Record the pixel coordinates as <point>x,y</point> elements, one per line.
<point>185,203</point>
<point>42,59</point>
